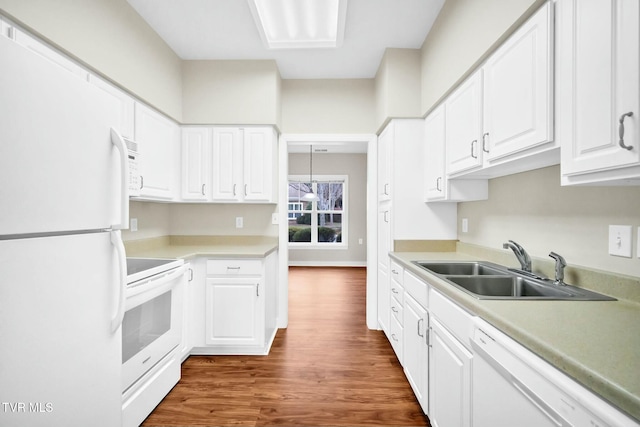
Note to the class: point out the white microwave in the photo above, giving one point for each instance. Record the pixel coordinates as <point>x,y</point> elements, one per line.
<point>135,183</point>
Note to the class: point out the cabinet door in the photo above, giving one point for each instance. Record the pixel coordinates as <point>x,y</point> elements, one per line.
<point>434,135</point>
<point>258,164</point>
<point>234,311</point>
<point>517,94</point>
<point>598,63</point>
<point>159,151</point>
<point>449,379</point>
<point>384,247</point>
<point>385,141</point>
<point>416,356</point>
<point>195,164</point>
<point>226,164</point>
<point>464,126</point>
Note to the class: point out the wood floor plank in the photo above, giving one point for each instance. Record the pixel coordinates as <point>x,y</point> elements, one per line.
<point>326,369</point>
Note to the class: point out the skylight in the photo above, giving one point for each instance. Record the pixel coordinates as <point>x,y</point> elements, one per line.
<point>296,24</point>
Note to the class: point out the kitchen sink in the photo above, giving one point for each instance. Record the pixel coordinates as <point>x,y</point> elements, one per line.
<point>473,268</point>
<point>485,280</point>
<point>507,287</point>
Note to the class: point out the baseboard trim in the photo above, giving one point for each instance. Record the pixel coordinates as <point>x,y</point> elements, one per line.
<point>327,263</point>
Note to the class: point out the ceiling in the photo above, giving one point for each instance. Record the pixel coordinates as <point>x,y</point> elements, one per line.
<point>225,29</point>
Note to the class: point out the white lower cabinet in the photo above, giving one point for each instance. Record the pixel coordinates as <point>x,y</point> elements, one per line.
<point>237,306</point>
<point>416,350</point>
<point>235,311</point>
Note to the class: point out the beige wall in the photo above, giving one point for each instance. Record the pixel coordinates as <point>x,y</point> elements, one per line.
<point>355,166</point>
<point>535,211</point>
<point>460,38</point>
<point>220,219</point>
<point>397,85</point>
<point>109,36</point>
<point>231,92</point>
<point>328,106</point>
<point>153,220</point>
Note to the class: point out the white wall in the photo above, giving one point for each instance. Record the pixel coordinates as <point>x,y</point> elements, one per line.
<point>355,166</point>
<point>397,85</point>
<point>231,92</point>
<point>535,211</point>
<point>328,106</point>
<point>109,36</point>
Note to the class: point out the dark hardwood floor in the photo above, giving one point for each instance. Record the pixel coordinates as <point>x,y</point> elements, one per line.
<point>325,369</point>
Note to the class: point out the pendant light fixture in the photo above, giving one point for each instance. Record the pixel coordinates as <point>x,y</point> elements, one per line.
<point>310,197</point>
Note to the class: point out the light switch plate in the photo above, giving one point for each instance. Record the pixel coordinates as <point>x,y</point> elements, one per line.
<point>465,225</point>
<point>620,240</point>
<point>274,218</point>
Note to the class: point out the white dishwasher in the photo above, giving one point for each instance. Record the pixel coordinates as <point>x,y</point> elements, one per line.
<point>512,386</point>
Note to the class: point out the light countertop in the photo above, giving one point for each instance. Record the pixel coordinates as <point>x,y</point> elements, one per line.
<point>595,342</point>
<point>186,247</point>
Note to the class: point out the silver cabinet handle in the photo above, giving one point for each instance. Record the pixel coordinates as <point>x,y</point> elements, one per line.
<point>141,182</point>
<point>386,217</point>
<point>438,183</point>
<point>621,131</point>
<point>203,189</point>
<point>473,143</point>
<point>484,142</point>
<point>420,321</point>
<point>394,309</point>
<point>394,290</point>
<point>190,274</point>
<point>233,268</point>
<point>394,337</point>
<point>234,189</point>
<point>386,189</point>
<point>245,189</point>
<point>257,289</point>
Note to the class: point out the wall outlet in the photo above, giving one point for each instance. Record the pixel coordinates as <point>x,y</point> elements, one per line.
<point>465,225</point>
<point>239,222</point>
<point>360,241</point>
<point>274,218</point>
<point>133,225</point>
<point>620,240</point>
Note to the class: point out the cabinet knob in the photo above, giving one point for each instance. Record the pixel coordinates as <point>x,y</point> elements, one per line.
<point>621,131</point>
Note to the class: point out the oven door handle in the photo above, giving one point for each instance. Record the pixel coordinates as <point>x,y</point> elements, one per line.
<point>116,241</point>
<point>153,287</point>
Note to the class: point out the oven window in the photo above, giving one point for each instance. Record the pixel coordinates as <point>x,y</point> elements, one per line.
<point>145,323</point>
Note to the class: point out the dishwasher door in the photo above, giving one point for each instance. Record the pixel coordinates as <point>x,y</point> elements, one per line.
<point>505,390</point>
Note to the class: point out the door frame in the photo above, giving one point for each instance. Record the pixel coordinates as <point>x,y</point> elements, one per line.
<point>283,230</point>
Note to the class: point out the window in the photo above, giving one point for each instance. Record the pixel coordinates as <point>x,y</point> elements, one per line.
<point>321,223</point>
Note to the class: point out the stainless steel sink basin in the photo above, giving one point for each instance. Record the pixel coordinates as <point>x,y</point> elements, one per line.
<point>507,286</point>
<point>484,280</point>
<point>471,268</point>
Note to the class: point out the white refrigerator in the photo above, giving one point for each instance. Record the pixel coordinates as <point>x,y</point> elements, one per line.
<point>62,263</point>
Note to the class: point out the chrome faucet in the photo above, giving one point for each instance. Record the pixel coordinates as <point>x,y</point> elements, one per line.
<point>521,254</point>
<point>560,265</point>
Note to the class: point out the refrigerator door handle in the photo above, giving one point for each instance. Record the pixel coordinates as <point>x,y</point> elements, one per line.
<point>117,140</point>
<point>116,241</point>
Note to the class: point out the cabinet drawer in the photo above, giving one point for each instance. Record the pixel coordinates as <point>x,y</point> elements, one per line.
<point>396,308</point>
<point>396,271</point>
<point>416,288</point>
<point>454,318</point>
<point>396,292</point>
<point>234,267</point>
<point>396,337</point>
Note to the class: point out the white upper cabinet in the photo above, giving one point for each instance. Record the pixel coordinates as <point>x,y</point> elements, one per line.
<point>518,108</point>
<point>259,154</point>
<point>500,120</point>
<point>195,163</point>
<point>438,187</point>
<point>598,88</point>
<point>126,103</point>
<point>159,142</point>
<point>226,156</point>
<point>464,126</point>
<point>228,164</point>
<point>385,141</point>
<point>52,55</point>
